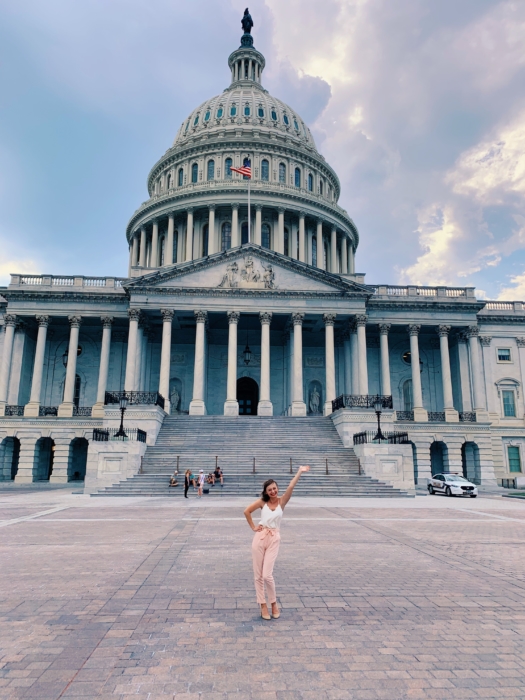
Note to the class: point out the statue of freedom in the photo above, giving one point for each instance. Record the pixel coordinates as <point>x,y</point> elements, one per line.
<point>247,22</point>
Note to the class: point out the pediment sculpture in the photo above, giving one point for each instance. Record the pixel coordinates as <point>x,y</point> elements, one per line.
<point>247,276</point>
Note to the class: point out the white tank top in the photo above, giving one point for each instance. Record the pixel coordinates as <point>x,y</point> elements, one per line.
<point>271,518</point>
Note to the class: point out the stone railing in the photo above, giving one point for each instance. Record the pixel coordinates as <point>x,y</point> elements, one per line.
<point>66,281</point>
<point>415,291</point>
<point>504,306</point>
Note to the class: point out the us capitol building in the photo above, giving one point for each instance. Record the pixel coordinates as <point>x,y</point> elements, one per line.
<point>268,317</point>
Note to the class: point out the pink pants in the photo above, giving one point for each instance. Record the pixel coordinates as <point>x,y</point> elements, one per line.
<point>265,548</point>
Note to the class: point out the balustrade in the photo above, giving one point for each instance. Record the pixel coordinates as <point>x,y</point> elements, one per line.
<point>135,398</point>
<point>369,437</point>
<point>109,434</point>
<point>357,401</point>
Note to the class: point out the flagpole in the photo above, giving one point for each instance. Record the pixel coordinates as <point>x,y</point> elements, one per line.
<point>249,214</point>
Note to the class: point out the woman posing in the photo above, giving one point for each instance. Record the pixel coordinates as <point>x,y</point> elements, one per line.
<point>187,482</point>
<point>267,538</point>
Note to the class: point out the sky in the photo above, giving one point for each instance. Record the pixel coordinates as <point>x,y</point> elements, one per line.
<point>418,105</point>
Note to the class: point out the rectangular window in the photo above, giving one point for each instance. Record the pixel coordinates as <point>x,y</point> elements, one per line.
<point>503,354</point>
<point>509,405</point>
<point>514,458</point>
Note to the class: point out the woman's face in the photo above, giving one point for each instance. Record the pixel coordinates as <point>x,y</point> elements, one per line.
<point>272,490</point>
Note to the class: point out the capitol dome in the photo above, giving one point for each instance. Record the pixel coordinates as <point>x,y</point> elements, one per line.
<point>198,206</point>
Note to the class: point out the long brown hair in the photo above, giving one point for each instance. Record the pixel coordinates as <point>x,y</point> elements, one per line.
<point>267,483</point>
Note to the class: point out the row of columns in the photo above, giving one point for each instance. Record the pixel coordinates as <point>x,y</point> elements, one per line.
<point>341,248</point>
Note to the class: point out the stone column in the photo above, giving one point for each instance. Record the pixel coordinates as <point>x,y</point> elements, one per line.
<point>7,354</point>
<point>298,404</point>
<point>212,237</point>
<point>451,415</point>
<point>489,387</point>
<point>354,349</point>
<point>144,357</point>
<point>197,405</point>
<point>320,245</point>
<point>168,250</point>
<point>258,225</point>
<point>302,242</point>
<point>32,408</point>
<point>236,238</point>
<point>131,359</point>
<point>520,342</point>
<point>384,329</point>
<point>65,409</point>
<point>27,457</point>
<point>61,458</point>
<point>265,407</point>
<point>138,357</point>
<point>165,357</point>
<point>98,408</point>
<point>476,372</point>
<point>420,414</point>
<point>154,262</point>
<point>333,250</point>
<point>309,248</point>
<point>344,256</point>
<point>329,320</point>
<point>347,354</point>
<point>360,322</point>
<point>189,235</point>
<point>464,376</point>
<point>231,405</point>
<point>280,232</point>
<point>142,254</point>
<point>351,259</point>
<point>135,251</point>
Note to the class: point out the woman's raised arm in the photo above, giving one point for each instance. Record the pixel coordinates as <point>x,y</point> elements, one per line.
<point>288,493</point>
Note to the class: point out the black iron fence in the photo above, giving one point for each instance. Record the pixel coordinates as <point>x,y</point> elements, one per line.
<point>82,410</point>
<point>369,437</point>
<point>361,401</point>
<point>135,398</point>
<point>11,410</point>
<point>467,417</point>
<point>405,415</point>
<point>436,416</point>
<point>48,411</point>
<point>109,434</point>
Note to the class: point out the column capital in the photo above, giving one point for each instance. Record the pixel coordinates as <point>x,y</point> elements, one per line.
<point>302,214</point>
<point>281,210</point>
<point>520,342</point>
<point>134,314</point>
<point>235,205</point>
<point>443,330</point>
<point>167,315</point>
<point>319,222</point>
<point>384,328</point>
<point>258,207</point>
<point>485,340</point>
<point>201,316</point>
<point>43,321</point>
<point>472,331</point>
<point>360,321</point>
<point>265,317</point>
<point>413,329</point>
<point>212,207</point>
<point>171,215</point>
<point>462,337</point>
<point>329,319</point>
<point>107,321</point>
<point>297,319</point>
<point>10,320</point>
<point>233,316</point>
<point>190,210</point>
<point>334,228</point>
<point>75,321</point>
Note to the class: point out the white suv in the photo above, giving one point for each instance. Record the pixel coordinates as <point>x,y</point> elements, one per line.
<point>452,485</point>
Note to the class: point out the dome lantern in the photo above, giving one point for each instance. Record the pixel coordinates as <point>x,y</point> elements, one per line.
<point>246,63</point>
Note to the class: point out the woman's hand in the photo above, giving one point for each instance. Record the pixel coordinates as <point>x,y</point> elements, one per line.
<point>257,528</point>
<point>304,469</point>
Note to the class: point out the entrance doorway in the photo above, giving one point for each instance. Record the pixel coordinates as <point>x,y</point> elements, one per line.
<point>247,396</point>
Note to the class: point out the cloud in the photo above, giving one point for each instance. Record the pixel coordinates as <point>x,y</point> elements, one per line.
<point>516,290</point>
<point>22,266</point>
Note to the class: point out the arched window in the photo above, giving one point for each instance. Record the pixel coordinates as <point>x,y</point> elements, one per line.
<point>220,112</point>
<point>407,395</point>
<point>325,256</point>
<point>286,242</point>
<point>297,177</point>
<point>207,116</point>
<point>196,120</point>
<point>314,251</point>
<point>244,233</point>
<point>187,125</point>
<point>265,170</point>
<point>265,236</point>
<point>285,119</point>
<point>260,113</point>
<point>296,124</point>
<point>247,163</point>
<point>282,172</point>
<point>169,182</point>
<point>175,245</point>
<point>228,167</point>
<point>211,169</point>
<point>205,230</point>
<point>274,115</point>
<point>310,182</point>
<point>194,172</point>
<point>181,177</point>
<point>247,110</point>
<point>320,187</point>
<point>233,111</point>
<point>226,236</point>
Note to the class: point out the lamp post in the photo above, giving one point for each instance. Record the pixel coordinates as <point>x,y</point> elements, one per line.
<point>123,405</point>
<point>247,352</point>
<point>378,405</point>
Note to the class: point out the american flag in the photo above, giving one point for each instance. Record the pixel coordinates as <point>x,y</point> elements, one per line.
<point>244,170</point>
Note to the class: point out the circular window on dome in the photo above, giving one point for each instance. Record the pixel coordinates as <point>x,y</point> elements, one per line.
<point>285,119</point>
<point>260,112</point>
<point>207,116</point>
<point>274,115</point>
<point>220,112</point>
<point>233,111</point>
<point>196,120</point>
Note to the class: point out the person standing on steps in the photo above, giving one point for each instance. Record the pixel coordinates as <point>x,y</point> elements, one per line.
<point>201,481</point>
<point>187,482</point>
<point>267,538</point>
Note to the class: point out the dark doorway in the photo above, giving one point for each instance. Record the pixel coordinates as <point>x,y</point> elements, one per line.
<point>247,396</point>
<point>44,453</point>
<point>77,460</point>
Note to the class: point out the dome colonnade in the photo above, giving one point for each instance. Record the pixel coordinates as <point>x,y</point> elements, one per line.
<point>198,206</point>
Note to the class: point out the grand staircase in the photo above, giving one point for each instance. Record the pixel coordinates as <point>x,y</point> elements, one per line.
<point>243,445</point>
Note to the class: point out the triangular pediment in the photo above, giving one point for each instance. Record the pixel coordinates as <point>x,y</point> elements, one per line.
<point>248,267</point>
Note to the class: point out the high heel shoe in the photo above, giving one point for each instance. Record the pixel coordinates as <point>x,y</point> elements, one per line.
<point>277,615</point>
<point>265,616</point>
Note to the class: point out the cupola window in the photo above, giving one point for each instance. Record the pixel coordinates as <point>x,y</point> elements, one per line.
<point>207,116</point>
<point>297,176</point>
<point>196,120</point>
<point>187,125</point>
<point>211,169</point>
<point>286,120</point>
<point>274,115</point>
<point>286,242</point>
<point>310,182</point>
<point>246,164</point>
<point>194,173</point>
<point>247,110</point>
<point>226,236</point>
<point>321,187</point>
<point>282,172</point>
<point>181,177</point>
<point>296,124</point>
<point>260,113</point>
<point>233,111</point>
<point>205,237</point>
<point>265,236</point>
<point>265,170</point>
<point>220,112</point>
<point>169,182</point>
<point>228,167</point>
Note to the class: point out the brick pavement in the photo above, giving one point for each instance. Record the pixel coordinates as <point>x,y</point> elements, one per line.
<point>148,599</point>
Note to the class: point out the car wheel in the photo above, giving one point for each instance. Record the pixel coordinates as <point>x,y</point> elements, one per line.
<point>448,492</point>
<point>473,495</point>
<point>431,490</point>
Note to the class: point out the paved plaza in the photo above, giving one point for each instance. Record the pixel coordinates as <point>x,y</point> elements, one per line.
<point>153,599</point>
